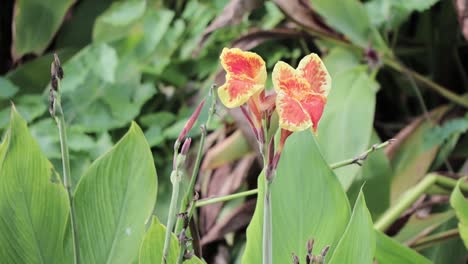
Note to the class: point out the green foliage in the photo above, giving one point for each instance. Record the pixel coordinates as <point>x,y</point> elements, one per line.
<point>389,251</point>
<point>374,178</point>
<point>153,243</point>
<point>297,197</point>
<point>35,23</point>
<point>33,203</point>
<point>460,204</point>
<point>114,199</point>
<point>8,88</point>
<point>392,13</point>
<point>359,229</point>
<point>439,134</point>
<point>349,113</point>
<point>145,60</point>
<point>350,18</point>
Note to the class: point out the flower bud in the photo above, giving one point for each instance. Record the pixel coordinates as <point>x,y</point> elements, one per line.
<point>188,126</point>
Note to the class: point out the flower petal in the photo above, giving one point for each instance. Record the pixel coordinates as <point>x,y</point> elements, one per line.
<point>245,76</point>
<point>292,116</point>
<point>313,70</point>
<point>313,104</point>
<point>282,72</point>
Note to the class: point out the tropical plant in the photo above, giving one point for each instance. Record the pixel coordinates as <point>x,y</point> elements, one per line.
<point>342,138</point>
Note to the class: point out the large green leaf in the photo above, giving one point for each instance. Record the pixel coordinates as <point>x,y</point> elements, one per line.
<point>35,23</point>
<point>102,94</point>
<point>409,157</point>
<point>375,175</point>
<point>350,18</point>
<point>307,202</point>
<point>390,252</point>
<point>153,244</point>
<point>360,229</point>
<point>114,199</point>
<point>33,203</point>
<point>346,126</point>
<point>118,20</point>
<point>460,204</point>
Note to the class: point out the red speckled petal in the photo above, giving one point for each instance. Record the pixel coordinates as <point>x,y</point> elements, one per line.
<point>245,76</point>
<point>313,70</point>
<point>282,72</point>
<point>314,104</point>
<point>292,116</point>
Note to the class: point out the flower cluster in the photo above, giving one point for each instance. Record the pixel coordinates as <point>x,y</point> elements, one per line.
<point>299,95</point>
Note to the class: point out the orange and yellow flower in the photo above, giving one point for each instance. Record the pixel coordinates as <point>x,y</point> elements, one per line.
<point>301,93</point>
<point>245,76</point>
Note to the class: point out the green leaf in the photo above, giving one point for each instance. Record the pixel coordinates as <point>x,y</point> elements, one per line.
<point>34,75</point>
<point>77,30</point>
<point>390,252</point>
<point>340,60</point>
<point>346,126</point>
<point>392,13</point>
<point>29,106</point>
<point>375,177</point>
<point>118,20</point>
<point>360,229</point>
<point>114,199</point>
<point>460,204</point>
<point>410,159</point>
<point>33,203</point>
<point>307,202</point>
<point>350,18</point>
<point>35,23</point>
<point>7,88</point>
<point>153,244</point>
<point>98,96</point>
<point>439,134</point>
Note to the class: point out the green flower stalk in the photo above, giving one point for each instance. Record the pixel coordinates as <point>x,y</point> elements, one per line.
<point>176,177</point>
<point>55,109</point>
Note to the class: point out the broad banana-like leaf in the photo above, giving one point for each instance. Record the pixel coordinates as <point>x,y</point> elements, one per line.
<point>114,199</point>
<point>33,203</point>
<point>308,202</point>
<point>360,228</point>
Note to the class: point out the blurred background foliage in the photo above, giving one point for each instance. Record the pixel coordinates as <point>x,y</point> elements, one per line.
<point>152,61</point>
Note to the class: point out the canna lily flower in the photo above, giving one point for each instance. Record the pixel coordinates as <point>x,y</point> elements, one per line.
<point>245,76</point>
<point>301,93</point>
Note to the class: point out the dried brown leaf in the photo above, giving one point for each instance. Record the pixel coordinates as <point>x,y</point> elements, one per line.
<point>236,220</point>
<point>225,180</point>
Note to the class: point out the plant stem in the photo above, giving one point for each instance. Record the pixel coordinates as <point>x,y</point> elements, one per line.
<point>173,209</point>
<point>361,157</point>
<point>188,197</point>
<point>448,183</point>
<point>432,240</point>
<point>225,198</point>
<point>196,169</point>
<point>67,182</point>
<point>267,241</point>
<point>333,166</point>
<point>405,202</point>
<point>461,100</point>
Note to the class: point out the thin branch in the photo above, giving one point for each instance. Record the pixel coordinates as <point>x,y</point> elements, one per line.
<point>435,239</point>
<point>459,99</point>
<point>359,159</point>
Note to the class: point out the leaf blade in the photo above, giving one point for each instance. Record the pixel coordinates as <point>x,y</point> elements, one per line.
<point>114,199</point>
